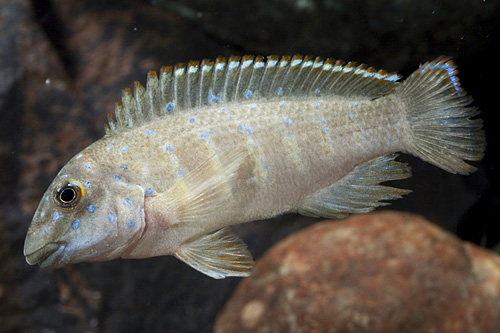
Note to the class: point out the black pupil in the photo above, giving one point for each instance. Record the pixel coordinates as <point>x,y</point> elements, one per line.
<point>67,195</point>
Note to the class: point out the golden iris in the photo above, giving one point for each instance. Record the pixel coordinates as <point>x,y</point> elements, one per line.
<point>68,195</point>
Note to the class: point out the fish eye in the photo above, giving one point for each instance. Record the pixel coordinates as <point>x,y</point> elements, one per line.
<point>68,195</point>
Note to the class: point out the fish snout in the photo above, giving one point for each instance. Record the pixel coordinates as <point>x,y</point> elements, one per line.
<point>47,256</point>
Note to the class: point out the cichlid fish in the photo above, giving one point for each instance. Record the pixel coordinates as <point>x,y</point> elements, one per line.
<point>211,144</point>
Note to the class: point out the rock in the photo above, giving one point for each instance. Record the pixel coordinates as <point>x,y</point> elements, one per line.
<point>380,272</point>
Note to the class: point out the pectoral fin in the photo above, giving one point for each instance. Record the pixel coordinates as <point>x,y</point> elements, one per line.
<point>218,255</point>
<point>202,191</point>
<point>359,191</point>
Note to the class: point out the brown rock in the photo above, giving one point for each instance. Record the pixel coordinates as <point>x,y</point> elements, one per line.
<point>380,272</point>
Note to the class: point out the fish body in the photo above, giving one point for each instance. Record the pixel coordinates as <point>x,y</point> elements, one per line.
<point>212,144</point>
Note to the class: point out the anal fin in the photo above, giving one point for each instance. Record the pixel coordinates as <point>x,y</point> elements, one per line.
<point>359,191</point>
<point>219,254</point>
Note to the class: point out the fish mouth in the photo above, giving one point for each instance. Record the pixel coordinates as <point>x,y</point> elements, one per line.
<point>47,256</point>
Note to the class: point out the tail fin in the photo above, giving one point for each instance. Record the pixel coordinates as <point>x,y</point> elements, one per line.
<point>441,129</point>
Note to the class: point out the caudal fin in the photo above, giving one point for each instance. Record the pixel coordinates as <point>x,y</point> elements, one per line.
<point>441,129</point>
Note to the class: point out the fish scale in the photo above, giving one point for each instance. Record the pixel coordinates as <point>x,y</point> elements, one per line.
<point>206,145</point>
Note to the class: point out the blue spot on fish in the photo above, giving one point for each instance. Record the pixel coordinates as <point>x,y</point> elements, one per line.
<point>117,177</point>
<point>351,116</point>
<point>279,91</point>
<point>110,147</point>
<point>288,122</point>
<point>169,107</point>
<point>90,208</point>
<point>247,93</point>
<point>111,218</point>
<point>149,131</point>
<point>223,110</point>
<point>130,224</point>
<point>180,173</point>
<point>88,166</point>
<point>204,135</point>
<point>247,129</point>
<point>124,167</point>
<point>169,148</point>
<point>212,98</point>
<point>57,216</point>
<point>324,129</point>
<point>192,120</point>
<point>124,149</point>
<point>149,191</point>
<point>282,103</point>
<point>127,202</point>
<point>88,184</point>
<point>75,224</point>
<point>253,106</point>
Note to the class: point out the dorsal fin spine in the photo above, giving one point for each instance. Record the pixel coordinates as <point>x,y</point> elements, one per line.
<point>218,79</point>
<point>152,92</point>
<point>276,88</point>
<point>193,83</point>
<point>306,70</point>
<point>230,78</point>
<point>166,79</point>
<point>206,67</point>
<point>128,104</point>
<point>289,72</point>
<point>296,72</point>
<point>266,79</point>
<point>313,74</point>
<point>141,103</point>
<point>179,84</point>
<point>321,76</point>
<point>245,73</point>
<point>254,76</point>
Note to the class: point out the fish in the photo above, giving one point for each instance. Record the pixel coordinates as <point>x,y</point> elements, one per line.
<point>210,144</point>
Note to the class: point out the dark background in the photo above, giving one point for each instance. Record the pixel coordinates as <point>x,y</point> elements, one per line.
<point>64,63</point>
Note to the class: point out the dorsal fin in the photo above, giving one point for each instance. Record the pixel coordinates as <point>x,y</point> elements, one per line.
<point>243,78</point>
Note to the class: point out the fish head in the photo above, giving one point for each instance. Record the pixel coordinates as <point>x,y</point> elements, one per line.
<point>82,217</point>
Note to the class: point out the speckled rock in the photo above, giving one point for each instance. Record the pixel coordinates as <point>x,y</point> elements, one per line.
<point>381,272</point>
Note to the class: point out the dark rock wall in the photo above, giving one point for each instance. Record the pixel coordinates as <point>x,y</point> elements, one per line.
<point>64,63</point>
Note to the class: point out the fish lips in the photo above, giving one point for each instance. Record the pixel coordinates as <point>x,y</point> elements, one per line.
<point>48,256</point>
